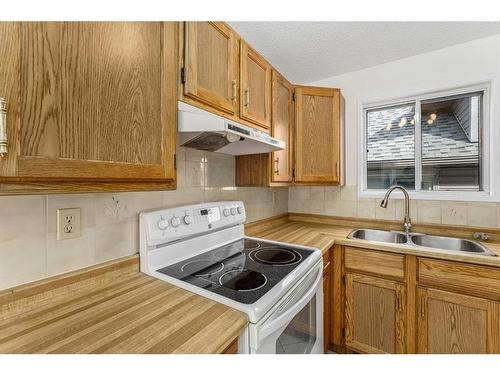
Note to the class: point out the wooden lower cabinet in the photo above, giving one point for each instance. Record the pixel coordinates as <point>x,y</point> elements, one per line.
<point>450,323</point>
<point>374,314</point>
<point>232,348</point>
<point>393,303</point>
<point>327,280</point>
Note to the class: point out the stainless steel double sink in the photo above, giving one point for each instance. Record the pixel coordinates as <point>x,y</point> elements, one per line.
<point>419,241</point>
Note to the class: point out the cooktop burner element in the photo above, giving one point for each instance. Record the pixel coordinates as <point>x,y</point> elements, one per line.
<point>251,245</point>
<point>202,267</point>
<point>243,280</point>
<point>276,256</point>
<point>243,270</point>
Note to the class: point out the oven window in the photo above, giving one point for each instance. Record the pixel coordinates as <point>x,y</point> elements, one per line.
<point>300,335</point>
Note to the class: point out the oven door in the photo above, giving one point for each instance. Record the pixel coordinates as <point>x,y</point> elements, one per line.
<point>295,326</point>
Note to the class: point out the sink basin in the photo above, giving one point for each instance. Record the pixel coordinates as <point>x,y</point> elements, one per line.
<point>378,236</point>
<point>450,243</point>
<point>417,240</point>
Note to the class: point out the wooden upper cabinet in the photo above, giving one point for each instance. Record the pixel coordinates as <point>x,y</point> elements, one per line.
<point>210,64</point>
<point>275,168</point>
<point>255,87</point>
<point>450,323</point>
<point>281,128</point>
<point>318,135</point>
<point>97,102</point>
<point>375,314</point>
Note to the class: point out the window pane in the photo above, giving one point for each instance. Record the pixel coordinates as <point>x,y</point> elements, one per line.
<point>391,147</point>
<point>450,143</point>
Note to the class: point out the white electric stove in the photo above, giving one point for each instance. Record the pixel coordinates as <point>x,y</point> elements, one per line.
<point>202,248</point>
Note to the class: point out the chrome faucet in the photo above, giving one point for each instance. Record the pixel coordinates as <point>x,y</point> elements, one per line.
<point>383,204</point>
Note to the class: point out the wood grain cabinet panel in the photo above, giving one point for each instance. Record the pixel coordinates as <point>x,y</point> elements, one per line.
<point>375,314</point>
<point>255,87</point>
<point>481,281</point>
<point>10,43</point>
<point>275,168</point>
<point>281,128</point>
<point>326,300</point>
<point>450,323</point>
<point>375,262</point>
<point>318,135</point>
<point>97,102</point>
<point>210,74</point>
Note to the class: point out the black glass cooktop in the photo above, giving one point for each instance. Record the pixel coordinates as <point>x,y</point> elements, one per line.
<point>243,270</point>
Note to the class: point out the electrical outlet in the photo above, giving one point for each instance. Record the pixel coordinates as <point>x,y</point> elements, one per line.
<point>68,223</point>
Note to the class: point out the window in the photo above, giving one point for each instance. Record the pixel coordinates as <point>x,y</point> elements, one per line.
<point>426,143</point>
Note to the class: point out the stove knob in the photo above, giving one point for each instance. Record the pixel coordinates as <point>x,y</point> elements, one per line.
<point>162,224</point>
<point>175,222</point>
<point>240,210</point>
<point>233,211</point>
<point>188,219</point>
<point>226,212</point>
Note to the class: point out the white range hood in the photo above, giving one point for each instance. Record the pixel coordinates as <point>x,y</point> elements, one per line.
<point>203,130</point>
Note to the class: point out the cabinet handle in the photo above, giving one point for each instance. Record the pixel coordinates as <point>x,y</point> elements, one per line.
<point>336,169</point>
<point>422,306</point>
<point>247,97</point>
<point>3,128</point>
<point>234,90</point>
<point>277,165</point>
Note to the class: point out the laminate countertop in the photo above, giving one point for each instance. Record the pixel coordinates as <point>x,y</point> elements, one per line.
<point>117,310</point>
<point>323,235</point>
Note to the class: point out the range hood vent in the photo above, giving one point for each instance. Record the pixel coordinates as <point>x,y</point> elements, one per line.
<point>203,130</point>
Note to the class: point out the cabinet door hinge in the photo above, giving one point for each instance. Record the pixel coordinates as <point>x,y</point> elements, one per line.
<point>175,161</point>
<point>183,75</point>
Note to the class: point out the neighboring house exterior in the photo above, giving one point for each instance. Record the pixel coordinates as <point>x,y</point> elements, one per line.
<point>450,149</point>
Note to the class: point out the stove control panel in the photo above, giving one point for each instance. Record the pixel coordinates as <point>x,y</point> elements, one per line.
<point>171,224</point>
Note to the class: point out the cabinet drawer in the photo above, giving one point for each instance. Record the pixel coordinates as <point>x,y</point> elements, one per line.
<point>375,262</point>
<point>472,279</point>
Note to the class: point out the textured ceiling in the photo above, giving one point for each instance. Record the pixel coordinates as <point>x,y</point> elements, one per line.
<point>308,51</point>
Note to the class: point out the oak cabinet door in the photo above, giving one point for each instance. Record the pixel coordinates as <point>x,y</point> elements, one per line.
<point>451,323</point>
<point>281,128</point>
<point>210,50</point>
<point>97,101</point>
<point>326,305</point>
<point>255,87</point>
<point>318,135</point>
<point>9,89</point>
<point>374,314</point>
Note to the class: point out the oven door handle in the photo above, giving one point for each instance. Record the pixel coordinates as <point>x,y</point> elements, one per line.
<point>271,325</point>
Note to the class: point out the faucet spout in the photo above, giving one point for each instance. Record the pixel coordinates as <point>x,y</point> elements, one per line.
<point>385,201</point>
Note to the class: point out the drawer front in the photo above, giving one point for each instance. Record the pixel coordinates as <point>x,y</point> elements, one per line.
<point>472,279</point>
<point>375,262</point>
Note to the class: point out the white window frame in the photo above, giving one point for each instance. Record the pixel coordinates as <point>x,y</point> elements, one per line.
<point>486,136</point>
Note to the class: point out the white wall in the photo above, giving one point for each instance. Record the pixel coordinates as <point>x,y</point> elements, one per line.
<point>462,65</point>
<point>469,63</point>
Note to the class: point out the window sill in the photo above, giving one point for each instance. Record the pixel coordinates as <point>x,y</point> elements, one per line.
<point>466,196</point>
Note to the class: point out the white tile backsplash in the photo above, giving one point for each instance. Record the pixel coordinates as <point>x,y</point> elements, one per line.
<point>23,245</point>
<point>344,202</point>
<point>28,247</point>
<point>110,220</point>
